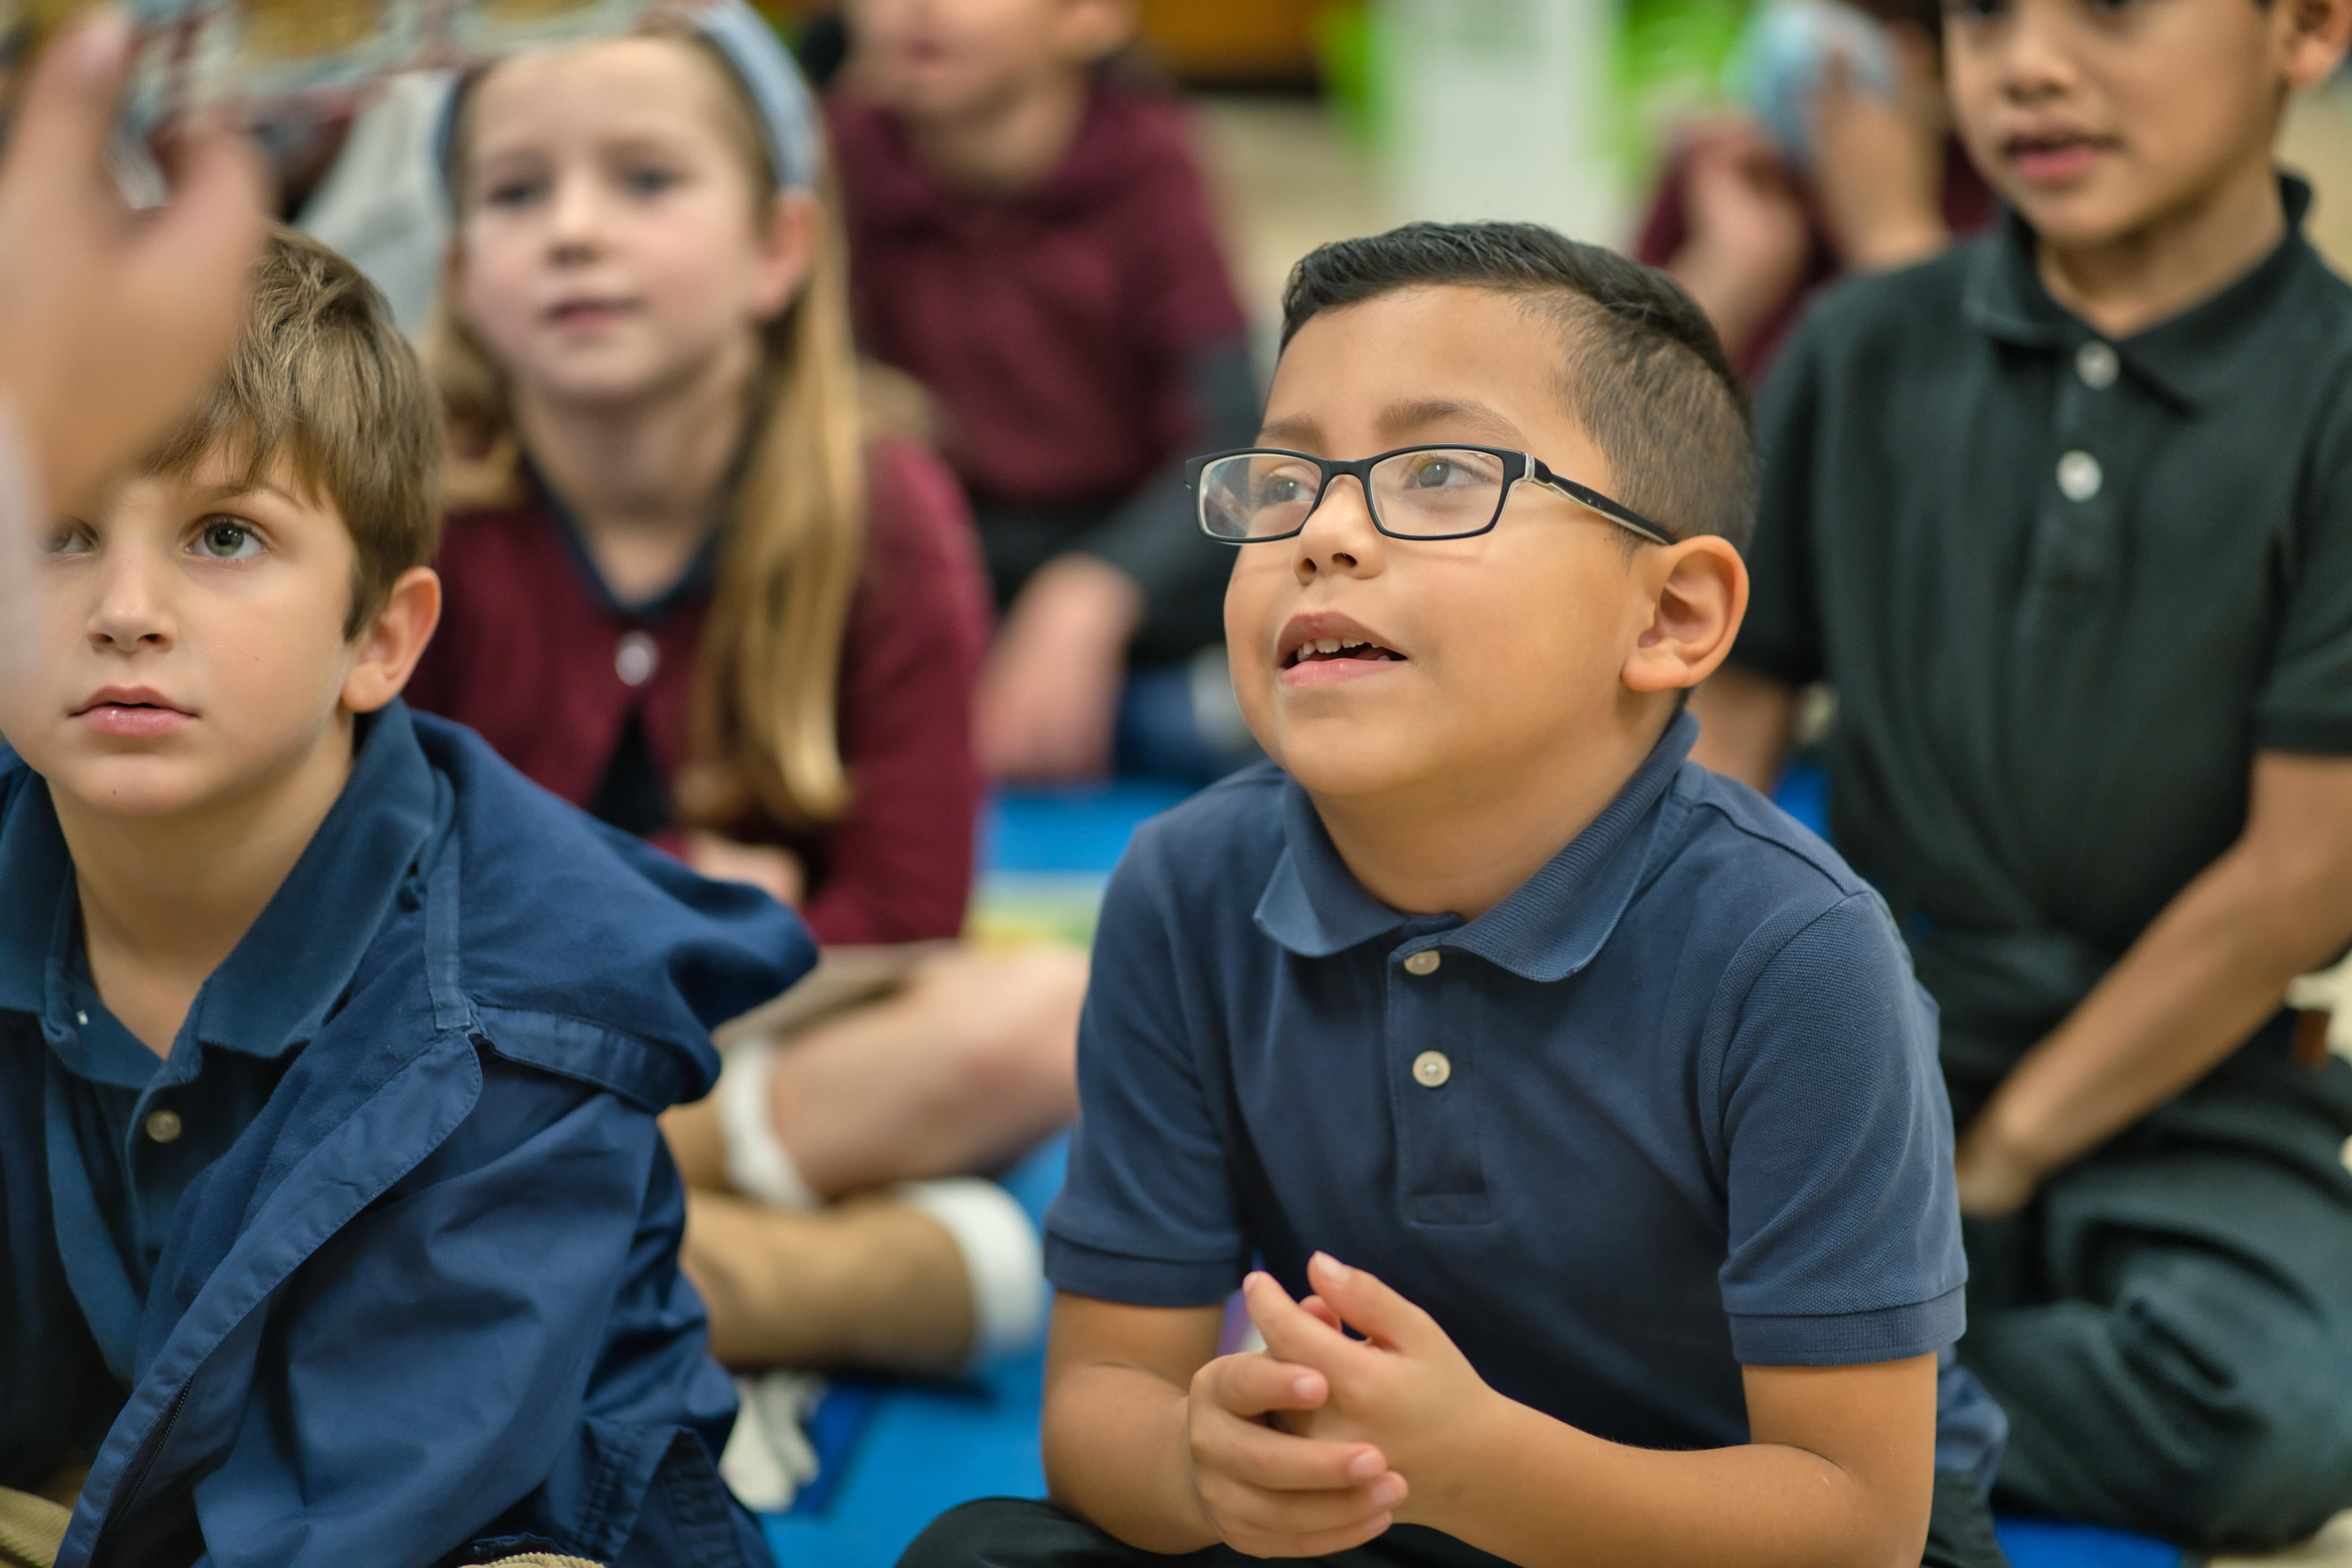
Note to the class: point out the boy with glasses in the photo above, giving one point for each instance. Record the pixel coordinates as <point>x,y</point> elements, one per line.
<point>1608,1083</point>
<point>2065,517</point>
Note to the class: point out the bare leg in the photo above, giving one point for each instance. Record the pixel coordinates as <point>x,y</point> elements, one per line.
<point>972,1063</point>
<point>866,1283</point>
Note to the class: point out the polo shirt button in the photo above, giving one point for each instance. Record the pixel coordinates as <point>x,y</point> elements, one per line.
<point>1426,961</point>
<point>635,659</point>
<point>1431,1069</point>
<point>163,1126</point>
<point>2079,476</point>
<point>2097,363</point>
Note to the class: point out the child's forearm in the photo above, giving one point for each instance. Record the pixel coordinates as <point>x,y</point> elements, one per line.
<point>1535,1491</point>
<point>1117,1454</point>
<point>2201,977</point>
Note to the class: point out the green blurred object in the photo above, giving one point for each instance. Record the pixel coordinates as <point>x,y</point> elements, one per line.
<point>1346,39</point>
<point>1671,59</point>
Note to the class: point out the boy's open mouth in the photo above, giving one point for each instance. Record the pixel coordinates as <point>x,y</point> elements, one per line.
<point>1321,650</point>
<point>2053,153</point>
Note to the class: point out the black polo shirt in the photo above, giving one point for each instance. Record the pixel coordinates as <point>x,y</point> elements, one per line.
<point>2065,588</point>
<point>1670,1108</point>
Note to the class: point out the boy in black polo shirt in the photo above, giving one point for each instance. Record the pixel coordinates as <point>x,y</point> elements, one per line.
<point>2066,518</point>
<point>1610,1084</point>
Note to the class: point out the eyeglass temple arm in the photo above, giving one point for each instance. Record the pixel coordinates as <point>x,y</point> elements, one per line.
<point>1625,517</point>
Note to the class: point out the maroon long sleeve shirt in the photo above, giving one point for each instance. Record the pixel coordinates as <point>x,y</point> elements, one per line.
<point>535,655</point>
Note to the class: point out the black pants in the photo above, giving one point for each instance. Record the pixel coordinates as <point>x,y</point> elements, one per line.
<point>2169,1325</point>
<point>1012,1533</point>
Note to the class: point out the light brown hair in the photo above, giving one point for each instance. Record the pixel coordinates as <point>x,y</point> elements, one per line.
<point>766,731</point>
<point>323,379</point>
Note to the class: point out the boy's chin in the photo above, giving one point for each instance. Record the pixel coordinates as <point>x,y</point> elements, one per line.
<point>133,788</point>
<point>1355,759</point>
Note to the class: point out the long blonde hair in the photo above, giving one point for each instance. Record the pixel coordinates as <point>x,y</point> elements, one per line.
<point>766,727</point>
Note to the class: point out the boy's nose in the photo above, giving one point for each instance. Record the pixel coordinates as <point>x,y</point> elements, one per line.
<point>134,608</point>
<point>2036,63</point>
<point>1339,534</point>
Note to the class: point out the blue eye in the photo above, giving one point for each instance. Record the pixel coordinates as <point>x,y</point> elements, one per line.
<point>227,539</point>
<point>649,181</point>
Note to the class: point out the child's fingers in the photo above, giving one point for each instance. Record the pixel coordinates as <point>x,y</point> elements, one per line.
<point>1322,1311</point>
<point>1279,1461</point>
<point>68,105</point>
<point>1289,1533</point>
<point>1291,1333</point>
<point>1254,1384</point>
<point>1369,1305</point>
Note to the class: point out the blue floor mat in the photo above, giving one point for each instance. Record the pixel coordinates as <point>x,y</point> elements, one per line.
<point>899,1455</point>
<point>2047,1544</point>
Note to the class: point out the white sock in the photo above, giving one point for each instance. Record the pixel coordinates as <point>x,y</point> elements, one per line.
<point>758,1164</point>
<point>1001,1256</point>
<point>768,1458</point>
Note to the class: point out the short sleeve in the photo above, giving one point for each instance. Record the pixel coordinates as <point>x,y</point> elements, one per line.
<point>1782,636</point>
<point>2305,701</point>
<point>1148,1215</point>
<point>1844,1238</point>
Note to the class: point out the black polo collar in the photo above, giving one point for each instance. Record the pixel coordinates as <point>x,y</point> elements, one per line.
<point>2191,358</point>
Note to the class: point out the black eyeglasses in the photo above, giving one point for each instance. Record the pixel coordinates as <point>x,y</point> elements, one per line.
<point>1263,493</point>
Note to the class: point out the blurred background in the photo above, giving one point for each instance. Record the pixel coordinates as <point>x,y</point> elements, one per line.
<point>1326,118</point>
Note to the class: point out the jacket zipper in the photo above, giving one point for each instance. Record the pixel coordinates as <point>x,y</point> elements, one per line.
<point>149,1453</point>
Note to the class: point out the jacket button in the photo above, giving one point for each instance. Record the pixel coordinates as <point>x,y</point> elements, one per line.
<point>1426,961</point>
<point>1431,1069</point>
<point>163,1126</point>
<point>635,659</point>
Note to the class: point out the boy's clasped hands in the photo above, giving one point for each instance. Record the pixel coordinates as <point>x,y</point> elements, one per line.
<point>1306,1447</point>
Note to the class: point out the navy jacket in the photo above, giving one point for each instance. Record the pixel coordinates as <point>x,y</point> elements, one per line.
<point>427,1307</point>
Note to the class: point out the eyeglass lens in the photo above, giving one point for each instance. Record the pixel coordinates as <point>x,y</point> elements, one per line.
<point>1429,493</point>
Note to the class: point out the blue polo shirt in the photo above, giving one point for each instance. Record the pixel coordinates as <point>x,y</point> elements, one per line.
<point>128,1131</point>
<point>1670,1108</point>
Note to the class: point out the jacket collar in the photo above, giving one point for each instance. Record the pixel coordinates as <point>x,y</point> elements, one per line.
<point>2191,358</point>
<point>1549,927</point>
<point>278,984</point>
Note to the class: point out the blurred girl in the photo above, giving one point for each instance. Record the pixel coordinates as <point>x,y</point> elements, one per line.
<point>693,590</point>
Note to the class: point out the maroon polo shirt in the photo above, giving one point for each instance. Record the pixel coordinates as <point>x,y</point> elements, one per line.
<point>1969,206</point>
<point>1056,325</point>
<point>533,653</point>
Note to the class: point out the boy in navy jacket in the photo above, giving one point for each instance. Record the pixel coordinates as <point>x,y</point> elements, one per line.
<point>336,1224</point>
<point>1593,1094</point>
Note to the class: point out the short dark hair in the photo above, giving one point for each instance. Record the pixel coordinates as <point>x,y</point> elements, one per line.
<point>1644,374</point>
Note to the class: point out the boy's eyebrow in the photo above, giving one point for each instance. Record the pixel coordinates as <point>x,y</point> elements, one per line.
<point>1298,431</point>
<point>1400,419</point>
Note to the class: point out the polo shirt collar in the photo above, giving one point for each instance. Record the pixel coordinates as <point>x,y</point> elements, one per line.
<point>1549,927</point>
<point>2191,358</point>
<point>274,991</point>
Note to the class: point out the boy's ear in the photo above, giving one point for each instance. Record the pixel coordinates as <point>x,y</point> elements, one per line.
<point>788,245</point>
<point>2315,33</point>
<point>1698,594</point>
<point>390,645</point>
